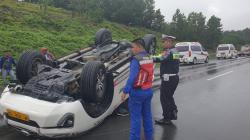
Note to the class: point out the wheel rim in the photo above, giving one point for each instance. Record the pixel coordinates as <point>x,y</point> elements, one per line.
<point>34,67</point>
<point>100,85</point>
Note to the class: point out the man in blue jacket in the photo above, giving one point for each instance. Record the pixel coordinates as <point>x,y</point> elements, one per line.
<point>6,63</point>
<point>139,88</point>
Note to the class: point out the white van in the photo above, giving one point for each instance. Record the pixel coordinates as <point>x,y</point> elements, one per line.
<point>226,51</point>
<point>192,53</point>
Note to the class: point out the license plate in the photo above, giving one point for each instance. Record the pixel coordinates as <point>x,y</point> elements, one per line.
<point>17,115</point>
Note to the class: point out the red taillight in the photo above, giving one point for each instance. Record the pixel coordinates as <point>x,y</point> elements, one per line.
<point>189,53</point>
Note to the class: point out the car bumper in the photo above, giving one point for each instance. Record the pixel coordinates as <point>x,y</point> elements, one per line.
<point>44,116</point>
<point>186,60</point>
<point>42,132</point>
<point>223,56</point>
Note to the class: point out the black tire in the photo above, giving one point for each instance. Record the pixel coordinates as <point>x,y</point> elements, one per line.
<point>27,65</point>
<point>93,82</point>
<point>150,43</point>
<point>103,36</point>
<point>195,61</point>
<point>207,60</point>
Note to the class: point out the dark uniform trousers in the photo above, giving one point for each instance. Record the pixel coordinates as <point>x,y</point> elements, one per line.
<point>167,100</point>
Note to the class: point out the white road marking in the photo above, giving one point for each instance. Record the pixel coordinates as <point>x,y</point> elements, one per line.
<point>220,75</point>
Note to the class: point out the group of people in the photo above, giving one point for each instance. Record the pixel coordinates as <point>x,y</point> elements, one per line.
<point>139,86</point>
<point>7,62</point>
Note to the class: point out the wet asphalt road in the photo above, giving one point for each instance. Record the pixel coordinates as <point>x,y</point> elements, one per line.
<point>213,105</point>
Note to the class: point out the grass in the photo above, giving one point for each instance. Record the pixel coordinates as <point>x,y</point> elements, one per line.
<point>23,26</point>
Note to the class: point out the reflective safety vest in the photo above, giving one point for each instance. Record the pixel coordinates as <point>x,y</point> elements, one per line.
<point>145,77</point>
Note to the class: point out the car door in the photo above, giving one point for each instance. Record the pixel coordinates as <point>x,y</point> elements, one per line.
<point>196,49</point>
<point>204,53</point>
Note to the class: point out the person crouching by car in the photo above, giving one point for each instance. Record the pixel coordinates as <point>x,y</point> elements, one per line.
<point>6,64</point>
<point>50,59</point>
<point>139,88</point>
<point>49,56</point>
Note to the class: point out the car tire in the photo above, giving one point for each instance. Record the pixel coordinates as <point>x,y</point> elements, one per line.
<point>103,36</point>
<point>207,60</point>
<point>195,61</point>
<point>150,43</point>
<point>93,82</point>
<point>27,65</point>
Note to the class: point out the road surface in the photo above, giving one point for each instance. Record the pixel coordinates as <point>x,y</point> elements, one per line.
<point>213,103</point>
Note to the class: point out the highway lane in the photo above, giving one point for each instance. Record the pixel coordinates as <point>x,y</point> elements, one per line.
<point>211,106</point>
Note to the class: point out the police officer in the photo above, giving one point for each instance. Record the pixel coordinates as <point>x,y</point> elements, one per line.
<point>139,88</point>
<point>169,70</point>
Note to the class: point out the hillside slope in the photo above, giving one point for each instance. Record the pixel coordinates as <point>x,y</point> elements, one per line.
<point>23,26</point>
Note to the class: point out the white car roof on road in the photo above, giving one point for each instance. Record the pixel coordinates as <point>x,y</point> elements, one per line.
<point>225,45</point>
<point>187,44</point>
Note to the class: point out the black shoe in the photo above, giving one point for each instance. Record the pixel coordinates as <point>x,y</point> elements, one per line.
<point>164,122</point>
<point>122,112</point>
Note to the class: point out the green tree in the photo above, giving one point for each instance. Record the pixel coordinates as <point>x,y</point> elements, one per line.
<point>61,3</point>
<point>90,8</point>
<point>214,32</point>
<point>179,26</point>
<point>128,12</point>
<point>158,21</point>
<point>44,5</point>
<point>149,13</point>
<point>196,27</point>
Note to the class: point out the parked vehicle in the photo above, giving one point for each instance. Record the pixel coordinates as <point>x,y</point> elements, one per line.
<point>192,53</point>
<point>73,96</point>
<point>226,51</point>
<point>244,51</point>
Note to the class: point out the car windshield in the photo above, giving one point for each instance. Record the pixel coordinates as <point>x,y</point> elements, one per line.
<point>223,48</point>
<point>182,48</point>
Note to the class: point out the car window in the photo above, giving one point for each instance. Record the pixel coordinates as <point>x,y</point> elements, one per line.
<point>203,49</point>
<point>182,48</point>
<point>223,48</point>
<point>196,48</point>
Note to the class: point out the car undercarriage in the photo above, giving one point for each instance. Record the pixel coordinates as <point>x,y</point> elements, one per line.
<point>87,75</point>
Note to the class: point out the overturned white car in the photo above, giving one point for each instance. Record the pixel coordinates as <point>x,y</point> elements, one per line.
<point>71,95</point>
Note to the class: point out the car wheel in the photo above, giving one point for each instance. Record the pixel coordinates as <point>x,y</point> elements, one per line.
<point>27,66</point>
<point>150,43</point>
<point>103,36</point>
<point>93,82</point>
<point>207,60</point>
<point>96,88</point>
<point>195,61</point>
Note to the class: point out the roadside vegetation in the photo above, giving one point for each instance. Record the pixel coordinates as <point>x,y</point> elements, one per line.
<point>65,26</point>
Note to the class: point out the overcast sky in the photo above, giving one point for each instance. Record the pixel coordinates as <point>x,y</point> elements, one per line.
<point>235,14</point>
